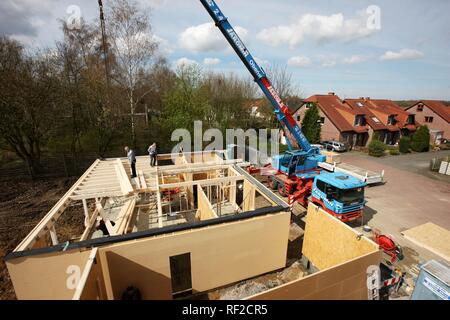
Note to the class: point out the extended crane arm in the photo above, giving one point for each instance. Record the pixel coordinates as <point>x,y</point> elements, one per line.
<point>260,77</point>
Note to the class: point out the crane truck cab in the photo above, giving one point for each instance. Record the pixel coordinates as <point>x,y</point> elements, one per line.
<point>339,194</point>
<point>296,175</point>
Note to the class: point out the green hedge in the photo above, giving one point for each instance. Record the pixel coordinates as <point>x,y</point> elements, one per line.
<point>394,152</point>
<point>404,144</point>
<point>421,140</point>
<point>377,148</point>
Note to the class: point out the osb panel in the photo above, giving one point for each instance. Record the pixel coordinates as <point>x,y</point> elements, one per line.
<point>329,242</point>
<point>431,237</point>
<point>345,281</point>
<point>220,255</point>
<point>46,276</point>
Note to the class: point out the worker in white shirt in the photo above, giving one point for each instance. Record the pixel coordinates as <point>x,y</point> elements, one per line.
<point>153,153</point>
<point>132,159</point>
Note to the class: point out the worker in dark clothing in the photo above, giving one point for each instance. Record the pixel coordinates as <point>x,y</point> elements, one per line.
<point>153,153</point>
<point>132,159</point>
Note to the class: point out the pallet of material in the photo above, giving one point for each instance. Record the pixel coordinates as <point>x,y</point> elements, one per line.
<point>431,237</point>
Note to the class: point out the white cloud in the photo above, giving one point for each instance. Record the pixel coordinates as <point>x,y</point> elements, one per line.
<point>355,59</point>
<point>211,61</point>
<point>328,63</point>
<point>404,54</point>
<point>128,46</point>
<point>318,28</point>
<point>299,61</point>
<point>185,62</point>
<point>262,62</point>
<point>206,38</point>
<point>163,44</point>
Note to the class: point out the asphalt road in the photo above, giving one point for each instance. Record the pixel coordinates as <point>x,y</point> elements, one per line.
<point>411,196</point>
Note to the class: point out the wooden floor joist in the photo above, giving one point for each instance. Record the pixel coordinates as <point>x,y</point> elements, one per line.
<point>49,220</point>
<point>109,181</point>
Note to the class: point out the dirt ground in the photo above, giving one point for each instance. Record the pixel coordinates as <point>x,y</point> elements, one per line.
<point>22,205</point>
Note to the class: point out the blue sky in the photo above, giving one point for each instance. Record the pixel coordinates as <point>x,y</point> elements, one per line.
<point>326,44</point>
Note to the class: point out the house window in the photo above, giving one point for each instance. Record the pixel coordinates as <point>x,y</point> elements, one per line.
<point>360,121</point>
<point>411,119</point>
<point>322,120</point>
<point>320,185</point>
<point>420,107</point>
<point>298,118</point>
<point>429,119</point>
<point>391,120</point>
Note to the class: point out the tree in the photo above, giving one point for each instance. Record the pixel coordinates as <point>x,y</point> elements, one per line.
<point>89,118</point>
<point>311,125</point>
<point>376,148</point>
<point>281,79</point>
<point>188,101</point>
<point>133,45</point>
<point>28,87</point>
<point>404,144</point>
<point>420,141</point>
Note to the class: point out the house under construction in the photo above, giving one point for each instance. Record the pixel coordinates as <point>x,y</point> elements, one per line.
<point>194,223</point>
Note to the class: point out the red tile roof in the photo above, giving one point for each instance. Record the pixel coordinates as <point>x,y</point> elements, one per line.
<point>382,109</point>
<point>391,108</point>
<point>338,113</point>
<point>438,107</point>
<point>372,120</point>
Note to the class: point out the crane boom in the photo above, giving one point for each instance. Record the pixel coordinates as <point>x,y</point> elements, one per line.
<point>260,77</point>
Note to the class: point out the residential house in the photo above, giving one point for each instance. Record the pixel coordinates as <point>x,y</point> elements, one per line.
<point>339,120</point>
<point>255,107</point>
<point>384,117</point>
<point>434,114</point>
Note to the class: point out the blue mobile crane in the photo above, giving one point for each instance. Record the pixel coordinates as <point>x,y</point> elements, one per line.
<point>296,173</point>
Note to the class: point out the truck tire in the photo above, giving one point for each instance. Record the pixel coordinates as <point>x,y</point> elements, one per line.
<point>272,183</point>
<point>282,190</point>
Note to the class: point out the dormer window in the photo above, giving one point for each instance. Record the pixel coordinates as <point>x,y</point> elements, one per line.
<point>391,120</point>
<point>420,108</point>
<point>360,121</point>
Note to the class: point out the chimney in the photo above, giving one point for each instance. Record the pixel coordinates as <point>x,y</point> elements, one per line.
<point>331,93</point>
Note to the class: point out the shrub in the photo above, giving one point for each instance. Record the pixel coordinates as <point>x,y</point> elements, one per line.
<point>420,141</point>
<point>404,144</point>
<point>394,152</point>
<point>377,148</point>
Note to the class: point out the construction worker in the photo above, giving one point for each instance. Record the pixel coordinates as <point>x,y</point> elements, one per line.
<point>153,153</point>
<point>132,159</point>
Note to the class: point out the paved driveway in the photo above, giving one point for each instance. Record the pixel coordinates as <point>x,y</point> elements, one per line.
<point>411,196</point>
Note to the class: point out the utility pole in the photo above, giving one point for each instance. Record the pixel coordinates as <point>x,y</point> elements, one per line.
<point>104,44</point>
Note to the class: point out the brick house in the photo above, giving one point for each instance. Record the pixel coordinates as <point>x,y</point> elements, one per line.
<point>339,121</point>
<point>354,121</point>
<point>434,114</point>
<point>386,118</point>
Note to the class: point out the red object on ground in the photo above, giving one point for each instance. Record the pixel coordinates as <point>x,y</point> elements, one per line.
<point>387,244</point>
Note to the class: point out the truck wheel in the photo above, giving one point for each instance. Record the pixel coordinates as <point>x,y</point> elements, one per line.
<point>272,184</point>
<point>282,190</point>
